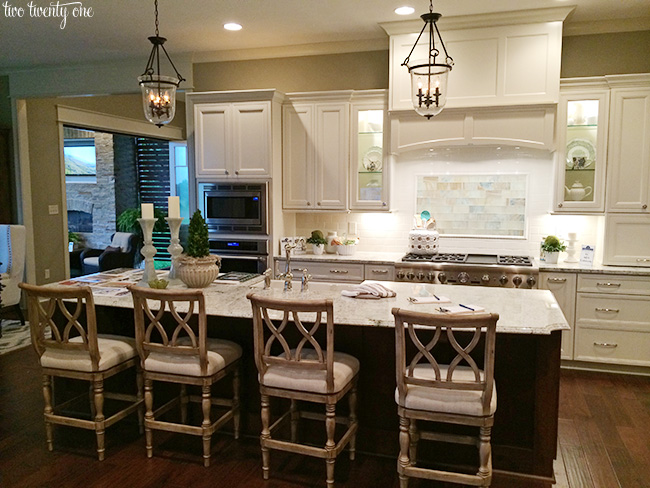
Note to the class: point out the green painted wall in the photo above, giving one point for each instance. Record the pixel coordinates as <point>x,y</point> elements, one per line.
<point>5,103</point>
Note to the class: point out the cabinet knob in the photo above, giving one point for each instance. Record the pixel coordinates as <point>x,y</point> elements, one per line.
<point>237,172</point>
<point>559,204</point>
<point>383,204</point>
<point>227,173</point>
<point>318,203</point>
<point>644,207</point>
<point>308,203</point>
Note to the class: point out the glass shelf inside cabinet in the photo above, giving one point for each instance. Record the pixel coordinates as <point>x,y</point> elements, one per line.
<point>580,152</point>
<point>370,157</point>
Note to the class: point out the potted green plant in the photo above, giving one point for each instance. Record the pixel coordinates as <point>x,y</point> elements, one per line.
<point>317,241</point>
<point>198,268</point>
<point>74,239</point>
<point>127,221</point>
<point>551,247</point>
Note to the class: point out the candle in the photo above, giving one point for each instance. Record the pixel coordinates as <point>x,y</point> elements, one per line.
<point>147,210</point>
<point>173,207</point>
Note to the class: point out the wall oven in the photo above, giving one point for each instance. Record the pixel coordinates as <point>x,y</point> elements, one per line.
<point>246,255</point>
<point>239,208</point>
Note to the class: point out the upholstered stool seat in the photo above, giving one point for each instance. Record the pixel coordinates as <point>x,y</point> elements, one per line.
<point>113,350</point>
<point>71,348</point>
<point>171,337</point>
<point>220,354</point>
<point>295,363</point>
<point>296,377</point>
<point>459,402</point>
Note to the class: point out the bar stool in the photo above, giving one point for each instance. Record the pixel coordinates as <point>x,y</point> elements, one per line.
<point>74,349</point>
<point>293,364</point>
<point>428,390</point>
<point>183,356</point>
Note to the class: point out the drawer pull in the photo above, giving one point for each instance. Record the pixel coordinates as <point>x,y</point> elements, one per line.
<point>339,271</point>
<point>642,260</point>
<point>611,345</point>
<point>380,271</point>
<point>557,280</point>
<point>608,284</point>
<point>613,310</point>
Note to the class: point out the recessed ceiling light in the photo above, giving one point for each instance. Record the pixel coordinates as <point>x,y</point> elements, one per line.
<point>232,26</point>
<point>404,10</point>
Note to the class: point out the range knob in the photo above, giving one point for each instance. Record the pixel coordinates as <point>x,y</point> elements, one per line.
<point>410,276</point>
<point>503,280</point>
<point>485,278</point>
<point>400,275</point>
<point>463,278</point>
<point>517,281</point>
<point>531,281</point>
<point>442,277</point>
<point>420,276</point>
<point>431,276</point>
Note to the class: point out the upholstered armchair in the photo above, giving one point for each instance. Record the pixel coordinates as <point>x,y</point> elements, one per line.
<point>12,268</point>
<point>120,254</point>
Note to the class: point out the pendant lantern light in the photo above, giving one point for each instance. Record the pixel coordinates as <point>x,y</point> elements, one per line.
<point>158,91</point>
<point>429,77</point>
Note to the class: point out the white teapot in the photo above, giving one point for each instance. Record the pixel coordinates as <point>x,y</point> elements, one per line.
<point>577,191</point>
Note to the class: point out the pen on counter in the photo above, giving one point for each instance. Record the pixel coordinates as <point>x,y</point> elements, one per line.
<point>435,296</point>
<point>465,306</point>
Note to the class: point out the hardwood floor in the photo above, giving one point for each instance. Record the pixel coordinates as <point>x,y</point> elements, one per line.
<point>604,442</point>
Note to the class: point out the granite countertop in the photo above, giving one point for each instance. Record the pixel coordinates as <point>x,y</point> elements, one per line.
<point>520,311</point>
<point>596,268</point>
<point>356,258</point>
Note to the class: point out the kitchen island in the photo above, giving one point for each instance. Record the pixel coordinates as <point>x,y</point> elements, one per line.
<point>526,370</point>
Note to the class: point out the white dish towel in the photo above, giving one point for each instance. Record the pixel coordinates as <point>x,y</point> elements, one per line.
<point>369,290</point>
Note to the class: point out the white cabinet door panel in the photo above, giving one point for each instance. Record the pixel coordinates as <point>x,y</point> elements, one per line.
<point>211,139</point>
<point>629,151</point>
<point>627,240</point>
<point>299,151</point>
<point>332,136</point>
<point>251,123</point>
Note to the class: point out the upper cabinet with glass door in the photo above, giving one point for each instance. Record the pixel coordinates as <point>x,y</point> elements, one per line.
<point>369,167</point>
<point>582,149</point>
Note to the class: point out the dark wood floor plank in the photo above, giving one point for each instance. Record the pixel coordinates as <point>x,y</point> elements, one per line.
<point>600,466</point>
<point>576,466</point>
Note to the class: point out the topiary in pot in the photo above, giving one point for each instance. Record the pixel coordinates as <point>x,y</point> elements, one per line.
<point>318,241</point>
<point>198,268</point>
<point>552,246</point>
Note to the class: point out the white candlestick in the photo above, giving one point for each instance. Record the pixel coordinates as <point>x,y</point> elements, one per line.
<point>173,207</point>
<point>147,210</point>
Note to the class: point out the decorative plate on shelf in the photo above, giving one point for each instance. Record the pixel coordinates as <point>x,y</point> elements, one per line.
<point>372,160</point>
<point>580,154</point>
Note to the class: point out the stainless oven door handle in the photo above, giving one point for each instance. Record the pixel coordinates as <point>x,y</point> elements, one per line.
<point>240,256</point>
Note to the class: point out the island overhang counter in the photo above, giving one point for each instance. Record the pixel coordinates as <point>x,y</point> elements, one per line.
<point>527,366</point>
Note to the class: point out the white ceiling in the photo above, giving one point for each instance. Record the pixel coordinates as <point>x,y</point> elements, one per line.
<point>119,28</point>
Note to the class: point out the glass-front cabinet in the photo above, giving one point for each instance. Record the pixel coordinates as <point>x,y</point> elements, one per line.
<point>369,167</point>
<point>582,150</point>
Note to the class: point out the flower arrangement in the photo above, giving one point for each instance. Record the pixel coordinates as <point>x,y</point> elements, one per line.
<point>553,244</point>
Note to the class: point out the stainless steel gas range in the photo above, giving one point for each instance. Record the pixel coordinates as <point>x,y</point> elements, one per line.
<point>469,269</point>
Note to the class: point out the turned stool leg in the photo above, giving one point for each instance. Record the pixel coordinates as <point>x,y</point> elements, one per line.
<point>352,400</point>
<point>295,415</point>
<point>404,444</point>
<point>47,396</point>
<point>100,428</point>
<point>485,455</point>
<point>184,401</point>
<point>236,388</point>
<point>148,416</point>
<point>206,403</point>
<point>266,434</point>
<point>330,427</point>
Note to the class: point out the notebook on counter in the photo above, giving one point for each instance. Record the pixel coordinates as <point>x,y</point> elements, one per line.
<point>235,277</point>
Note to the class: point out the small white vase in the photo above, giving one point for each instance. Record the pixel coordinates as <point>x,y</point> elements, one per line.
<point>551,257</point>
<point>198,272</point>
<point>317,248</point>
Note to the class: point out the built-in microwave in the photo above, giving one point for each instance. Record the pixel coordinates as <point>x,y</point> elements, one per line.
<point>234,207</point>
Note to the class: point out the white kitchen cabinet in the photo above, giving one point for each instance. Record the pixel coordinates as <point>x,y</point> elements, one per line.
<point>613,319</point>
<point>627,240</point>
<point>232,140</point>
<point>563,286</point>
<point>379,272</point>
<point>230,134</point>
<point>582,146</point>
<point>629,150</point>
<point>315,153</point>
<point>493,66</point>
<point>369,164</point>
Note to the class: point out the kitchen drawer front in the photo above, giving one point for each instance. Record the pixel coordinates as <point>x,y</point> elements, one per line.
<point>629,312</point>
<point>380,272</point>
<point>320,271</point>
<point>614,284</point>
<point>612,346</point>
